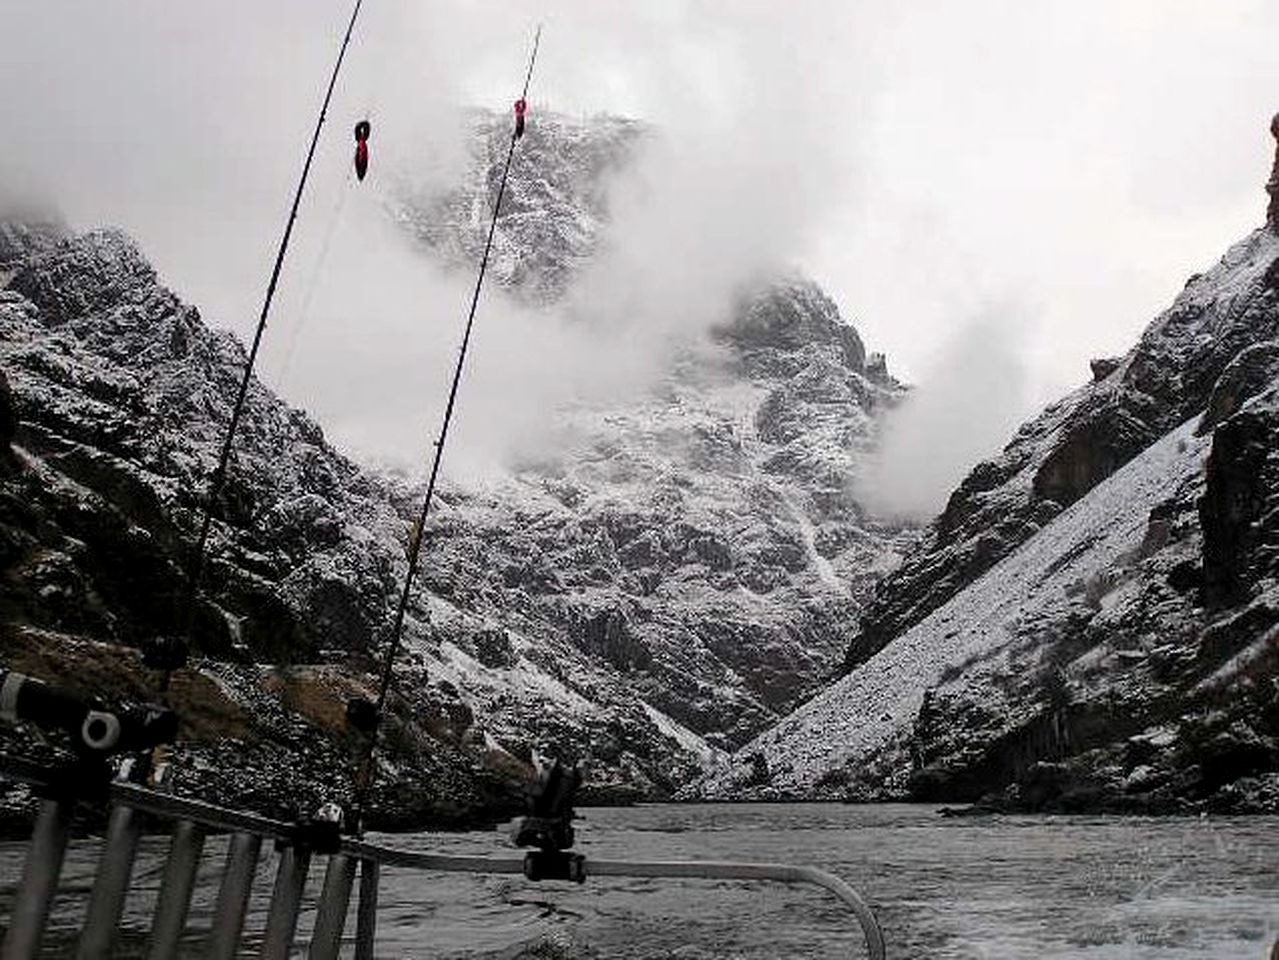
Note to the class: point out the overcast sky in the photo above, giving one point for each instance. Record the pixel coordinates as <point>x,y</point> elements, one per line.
<point>1040,176</point>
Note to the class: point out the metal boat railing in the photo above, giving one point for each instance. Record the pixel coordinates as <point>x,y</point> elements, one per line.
<point>193,820</point>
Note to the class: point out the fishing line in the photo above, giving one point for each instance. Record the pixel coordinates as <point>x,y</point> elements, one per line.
<point>313,282</point>
<point>370,100</point>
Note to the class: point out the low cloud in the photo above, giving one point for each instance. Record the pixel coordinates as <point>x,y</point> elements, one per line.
<point>963,410</point>
<point>186,126</point>
<point>880,147</point>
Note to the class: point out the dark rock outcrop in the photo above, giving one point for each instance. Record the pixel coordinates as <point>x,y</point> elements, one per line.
<point>1238,509</point>
<point>1272,185</point>
<point>1252,370</point>
<point>1102,367</point>
<point>8,415</point>
<point>1086,453</point>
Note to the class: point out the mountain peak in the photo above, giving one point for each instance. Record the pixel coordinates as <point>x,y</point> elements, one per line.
<point>787,315</point>
<point>70,276</point>
<point>554,209</point>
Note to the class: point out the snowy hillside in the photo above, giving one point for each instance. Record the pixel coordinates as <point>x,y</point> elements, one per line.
<point>1057,457</point>
<point>865,723</point>
<point>120,393</point>
<point>1121,647</point>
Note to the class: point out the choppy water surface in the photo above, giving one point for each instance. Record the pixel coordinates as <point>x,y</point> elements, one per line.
<point>983,888</point>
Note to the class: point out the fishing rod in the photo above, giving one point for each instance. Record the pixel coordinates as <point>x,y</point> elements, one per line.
<point>365,776</point>
<point>169,654</point>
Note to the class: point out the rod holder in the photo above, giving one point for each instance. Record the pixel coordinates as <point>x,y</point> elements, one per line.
<point>286,901</point>
<point>39,882</point>
<point>111,885</point>
<point>233,896</point>
<point>330,915</point>
<point>366,911</point>
<point>175,890</point>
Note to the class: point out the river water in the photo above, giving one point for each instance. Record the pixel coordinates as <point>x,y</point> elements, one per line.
<point>985,888</point>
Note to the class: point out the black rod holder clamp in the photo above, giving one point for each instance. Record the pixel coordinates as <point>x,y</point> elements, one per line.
<point>95,730</point>
<point>322,830</point>
<point>549,824</point>
<point>555,865</point>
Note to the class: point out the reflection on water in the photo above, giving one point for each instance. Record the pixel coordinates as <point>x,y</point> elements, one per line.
<point>1003,888</point>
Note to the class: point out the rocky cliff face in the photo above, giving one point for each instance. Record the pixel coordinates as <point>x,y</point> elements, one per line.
<point>554,212</point>
<point>683,576</point>
<point>701,538</point>
<point>1093,620</point>
<point>119,393</point>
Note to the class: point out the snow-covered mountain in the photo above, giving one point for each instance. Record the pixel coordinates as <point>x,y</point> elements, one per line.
<point>555,210</point>
<point>1094,618</point>
<point>689,570</point>
<point>701,537</point>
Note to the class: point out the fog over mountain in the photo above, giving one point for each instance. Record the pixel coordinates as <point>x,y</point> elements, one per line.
<point>1069,160</point>
<point>962,411</point>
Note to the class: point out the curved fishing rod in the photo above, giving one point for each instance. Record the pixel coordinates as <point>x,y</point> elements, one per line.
<point>218,480</point>
<point>365,776</point>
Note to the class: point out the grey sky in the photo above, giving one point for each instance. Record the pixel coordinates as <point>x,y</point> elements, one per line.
<point>1064,163</point>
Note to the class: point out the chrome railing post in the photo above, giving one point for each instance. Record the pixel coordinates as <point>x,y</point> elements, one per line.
<point>366,911</point>
<point>175,890</point>
<point>286,900</point>
<point>111,885</point>
<point>330,915</point>
<point>39,880</point>
<point>233,896</point>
